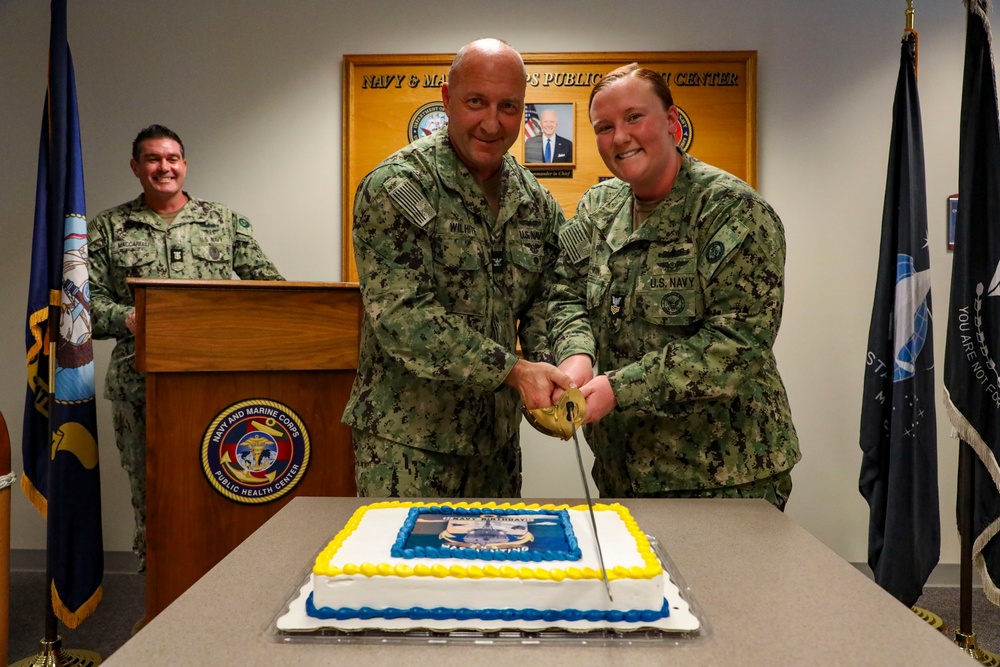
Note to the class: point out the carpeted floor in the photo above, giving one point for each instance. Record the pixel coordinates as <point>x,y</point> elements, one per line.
<point>124,594</point>
<point>109,627</point>
<point>945,602</point>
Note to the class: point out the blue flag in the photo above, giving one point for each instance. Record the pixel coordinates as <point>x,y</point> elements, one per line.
<point>898,427</point>
<point>61,475</point>
<point>972,384</point>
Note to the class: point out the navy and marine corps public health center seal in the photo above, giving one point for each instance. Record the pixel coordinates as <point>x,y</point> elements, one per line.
<point>426,119</point>
<point>255,451</point>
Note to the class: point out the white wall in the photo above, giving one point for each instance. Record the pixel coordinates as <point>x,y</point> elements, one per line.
<point>254,88</point>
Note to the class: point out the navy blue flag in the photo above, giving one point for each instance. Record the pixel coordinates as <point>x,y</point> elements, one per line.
<point>898,427</point>
<point>59,445</point>
<point>972,385</point>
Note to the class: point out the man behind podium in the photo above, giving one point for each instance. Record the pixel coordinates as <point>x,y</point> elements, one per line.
<point>163,233</point>
<point>455,243</point>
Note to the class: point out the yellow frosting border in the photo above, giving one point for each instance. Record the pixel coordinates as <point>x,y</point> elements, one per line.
<point>650,569</point>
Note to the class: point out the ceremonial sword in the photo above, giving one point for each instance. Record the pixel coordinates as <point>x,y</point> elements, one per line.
<point>570,409</point>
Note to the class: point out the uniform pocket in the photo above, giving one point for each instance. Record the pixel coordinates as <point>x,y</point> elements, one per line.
<point>668,291</point>
<point>669,299</point>
<point>525,281</point>
<point>211,252</point>
<point>527,258</point>
<point>459,274</point>
<point>136,261</point>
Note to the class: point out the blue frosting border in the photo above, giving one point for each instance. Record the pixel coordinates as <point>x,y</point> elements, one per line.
<point>464,614</point>
<point>399,551</point>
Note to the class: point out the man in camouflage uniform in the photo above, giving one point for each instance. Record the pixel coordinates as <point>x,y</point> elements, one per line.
<point>680,312</point>
<point>163,233</point>
<point>454,244</point>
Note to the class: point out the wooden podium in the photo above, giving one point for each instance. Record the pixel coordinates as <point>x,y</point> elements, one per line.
<point>206,345</point>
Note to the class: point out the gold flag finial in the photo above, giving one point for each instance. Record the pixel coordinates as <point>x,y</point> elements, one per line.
<point>911,33</point>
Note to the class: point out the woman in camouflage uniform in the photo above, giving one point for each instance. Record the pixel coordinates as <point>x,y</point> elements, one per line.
<point>671,277</point>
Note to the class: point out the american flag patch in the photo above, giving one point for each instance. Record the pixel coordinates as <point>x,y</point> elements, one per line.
<point>409,201</point>
<point>575,241</point>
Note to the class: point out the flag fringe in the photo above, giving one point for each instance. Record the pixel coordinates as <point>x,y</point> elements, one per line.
<point>34,496</point>
<point>979,7</point>
<point>36,318</point>
<point>968,433</point>
<point>982,8</point>
<point>989,586</point>
<point>74,618</point>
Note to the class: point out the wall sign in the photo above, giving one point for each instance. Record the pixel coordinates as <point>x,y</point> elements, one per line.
<point>390,100</point>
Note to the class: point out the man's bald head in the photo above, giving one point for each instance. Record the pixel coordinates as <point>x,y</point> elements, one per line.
<point>484,100</point>
<point>481,51</point>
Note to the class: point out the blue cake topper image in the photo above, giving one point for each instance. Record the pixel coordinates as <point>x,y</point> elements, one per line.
<point>493,534</point>
<point>489,532</point>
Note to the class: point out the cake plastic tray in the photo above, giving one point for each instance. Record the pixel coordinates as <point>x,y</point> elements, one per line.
<point>687,622</point>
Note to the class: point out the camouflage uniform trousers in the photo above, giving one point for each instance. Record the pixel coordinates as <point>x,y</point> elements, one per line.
<point>130,435</point>
<point>386,469</point>
<point>775,490</point>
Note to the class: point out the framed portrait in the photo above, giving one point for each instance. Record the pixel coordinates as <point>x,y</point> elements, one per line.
<point>549,135</point>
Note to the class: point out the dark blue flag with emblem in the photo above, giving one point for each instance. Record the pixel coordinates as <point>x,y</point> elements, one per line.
<point>59,445</point>
<point>898,427</point>
<point>972,384</point>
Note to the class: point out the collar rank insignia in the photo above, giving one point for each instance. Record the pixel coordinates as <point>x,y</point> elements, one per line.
<point>498,260</point>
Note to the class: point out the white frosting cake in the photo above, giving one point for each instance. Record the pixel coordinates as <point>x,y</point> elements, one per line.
<point>478,565</point>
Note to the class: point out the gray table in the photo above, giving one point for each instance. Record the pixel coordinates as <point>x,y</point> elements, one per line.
<point>772,593</point>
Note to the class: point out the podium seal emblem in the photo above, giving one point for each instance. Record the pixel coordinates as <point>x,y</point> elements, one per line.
<point>255,451</point>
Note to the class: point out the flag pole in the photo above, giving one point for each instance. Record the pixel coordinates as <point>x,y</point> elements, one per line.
<point>965,638</point>
<point>930,617</point>
<point>51,638</point>
<point>927,615</point>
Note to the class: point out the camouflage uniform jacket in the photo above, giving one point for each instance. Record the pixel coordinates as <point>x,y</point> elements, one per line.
<point>447,291</point>
<point>206,240</point>
<point>681,314</point>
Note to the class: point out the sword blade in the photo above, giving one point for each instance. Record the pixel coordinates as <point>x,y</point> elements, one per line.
<point>590,504</point>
